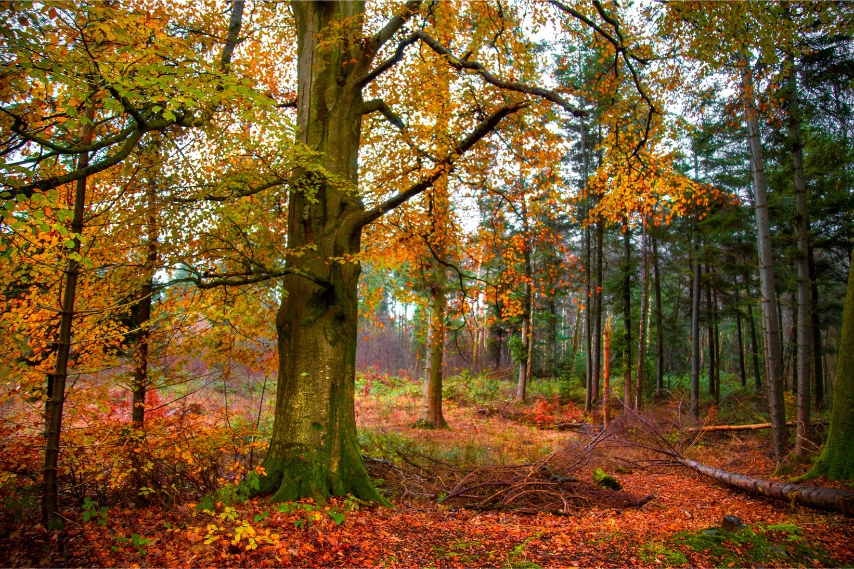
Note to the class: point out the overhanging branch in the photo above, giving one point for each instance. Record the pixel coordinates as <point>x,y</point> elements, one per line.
<point>443,166</point>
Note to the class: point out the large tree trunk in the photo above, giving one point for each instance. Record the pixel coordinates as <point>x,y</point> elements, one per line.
<point>313,450</point>
<point>804,320</point>
<point>773,355</point>
<point>837,457</point>
<point>54,407</point>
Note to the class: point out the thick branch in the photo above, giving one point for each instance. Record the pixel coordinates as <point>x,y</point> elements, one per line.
<point>389,63</point>
<point>375,105</point>
<point>240,194</point>
<point>393,25</point>
<point>444,166</point>
<point>234,24</point>
<point>460,64</point>
<point>28,190</point>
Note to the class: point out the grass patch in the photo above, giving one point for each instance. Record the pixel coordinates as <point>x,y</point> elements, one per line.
<point>659,553</point>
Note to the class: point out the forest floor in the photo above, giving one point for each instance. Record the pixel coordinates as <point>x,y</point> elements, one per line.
<point>664,515</point>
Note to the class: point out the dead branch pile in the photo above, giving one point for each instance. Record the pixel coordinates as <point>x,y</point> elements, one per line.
<point>553,484</point>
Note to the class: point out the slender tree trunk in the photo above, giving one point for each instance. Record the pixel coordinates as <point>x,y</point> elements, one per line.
<point>50,488</point>
<point>659,328</point>
<point>551,337</point>
<point>627,316</point>
<point>717,343</point>
<point>804,317</point>
<point>766,273</point>
<point>606,374</point>
<point>754,348</point>
<point>589,302</point>
<point>597,324</point>
<point>817,371</point>
<point>642,332</point>
<point>695,337</point>
<point>710,329</point>
<point>741,355</point>
<point>140,372</point>
<point>431,409</point>
<point>527,330</point>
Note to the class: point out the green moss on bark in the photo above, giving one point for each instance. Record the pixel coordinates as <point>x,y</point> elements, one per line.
<point>837,459</point>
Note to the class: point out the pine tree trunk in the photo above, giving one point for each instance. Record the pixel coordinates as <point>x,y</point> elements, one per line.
<point>741,355</point>
<point>817,372</point>
<point>627,316</point>
<point>659,329</point>
<point>754,348</point>
<point>710,329</point>
<point>597,323</point>
<point>695,338</point>
<point>642,331</point>
<point>53,420</point>
<point>773,353</point>
<point>804,318</point>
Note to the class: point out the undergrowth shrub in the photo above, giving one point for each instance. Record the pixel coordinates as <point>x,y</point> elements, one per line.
<point>176,457</point>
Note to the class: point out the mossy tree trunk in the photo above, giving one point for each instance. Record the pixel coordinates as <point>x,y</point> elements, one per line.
<point>837,458</point>
<point>313,450</point>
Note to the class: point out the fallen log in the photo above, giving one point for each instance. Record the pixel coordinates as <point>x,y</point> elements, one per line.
<point>755,426</point>
<point>813,496</point>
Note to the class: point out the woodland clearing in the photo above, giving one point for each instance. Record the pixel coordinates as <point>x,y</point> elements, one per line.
<point>671,529</point>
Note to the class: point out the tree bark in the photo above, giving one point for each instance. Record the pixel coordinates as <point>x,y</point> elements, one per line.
<point>606,375</point>
<point>659,329</point>
<point>431,411</point>
<point>710,329</point>
<point>817,372</point>
<point>642,331</point>
<point>695,337</point>
<point>773,353</point>
<point>140,372</point>
<point>627,316</point>
<point>527,307</point>
<point>804,317</point>
<point>754,348</point>
<point>741,355</point>
<point>597,323</point>
<point>837,458</point>
<point>314,451</point>
<point>53,420</point>
<point>812,496</point>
